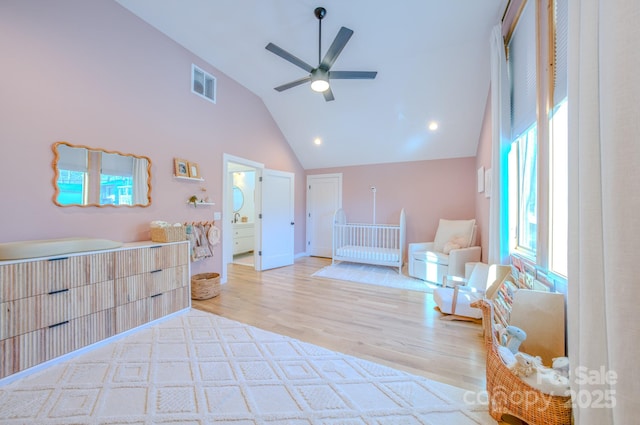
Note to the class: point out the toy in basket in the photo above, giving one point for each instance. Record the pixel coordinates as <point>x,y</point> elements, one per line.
<point>508,394</point>
<point>164,232</point>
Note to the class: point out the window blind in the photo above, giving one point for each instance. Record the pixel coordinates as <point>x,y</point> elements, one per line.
<point>117,165</point>
<point>72,159</point>
<point>561,18</point>
<point>522,71</point>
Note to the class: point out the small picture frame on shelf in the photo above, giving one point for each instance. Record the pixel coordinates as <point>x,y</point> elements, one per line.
<point>180,167</point>
<point>194,170</point>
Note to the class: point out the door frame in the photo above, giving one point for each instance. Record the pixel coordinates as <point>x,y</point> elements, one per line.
<point>227,211</point>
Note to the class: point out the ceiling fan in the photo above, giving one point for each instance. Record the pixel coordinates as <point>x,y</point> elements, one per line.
<point>320,75</point>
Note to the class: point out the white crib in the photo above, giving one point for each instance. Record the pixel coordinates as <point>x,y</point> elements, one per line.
<point>380,244</point>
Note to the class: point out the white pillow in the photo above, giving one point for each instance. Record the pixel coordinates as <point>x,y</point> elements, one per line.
<point>449,229</point>
<point>449,246</point>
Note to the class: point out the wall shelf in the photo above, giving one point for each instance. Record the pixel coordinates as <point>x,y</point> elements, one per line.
<point>201,203</point>
<point>193,179</point>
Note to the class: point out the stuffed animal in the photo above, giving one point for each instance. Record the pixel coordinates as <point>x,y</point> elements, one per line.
<point>561,365</point>
<point>526,364</point>
<point>515,336</point>
<point>531,370</point>
<point>501,333</point>
<point>507,357</point>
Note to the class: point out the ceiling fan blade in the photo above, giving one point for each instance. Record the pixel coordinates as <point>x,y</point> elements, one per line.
<point>289,57</point>
<point>328,95</point>
<point>336,47</point>
<point>293,83</point>
<point>352,75</point>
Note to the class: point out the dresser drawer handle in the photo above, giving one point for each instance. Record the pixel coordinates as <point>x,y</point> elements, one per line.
<point>156,295</point>
<point>155,246</point>
<point>59,324</point>
<point>155,271</point>
<point>59,291</point>
<point>58,259</point>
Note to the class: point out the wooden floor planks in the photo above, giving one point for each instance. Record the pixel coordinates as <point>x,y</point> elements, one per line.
<point>394,327</point>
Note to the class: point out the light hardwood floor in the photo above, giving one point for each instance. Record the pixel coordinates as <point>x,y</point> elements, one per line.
<point>397,328</point>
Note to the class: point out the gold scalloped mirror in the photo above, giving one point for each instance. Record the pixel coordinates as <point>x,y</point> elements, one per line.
<point>85,177</point>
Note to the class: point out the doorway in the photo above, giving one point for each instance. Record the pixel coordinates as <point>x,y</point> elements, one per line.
<point>238,237</point>
<point>258,216</point>
<point>243,208</point>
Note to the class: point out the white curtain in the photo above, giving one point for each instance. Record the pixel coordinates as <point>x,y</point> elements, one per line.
<point>604,206</point>
<point>500,128</point>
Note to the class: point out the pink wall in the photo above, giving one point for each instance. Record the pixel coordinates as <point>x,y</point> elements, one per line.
<point>483,159</point>
<point>427,190</point>
<point>90,72</point>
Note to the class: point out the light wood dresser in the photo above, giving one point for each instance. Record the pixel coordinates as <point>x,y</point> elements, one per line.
<point>52,306</point>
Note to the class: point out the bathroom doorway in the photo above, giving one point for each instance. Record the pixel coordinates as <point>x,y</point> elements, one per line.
<point>239,213</point>
<point>258,211</point>
<point>243,207</point>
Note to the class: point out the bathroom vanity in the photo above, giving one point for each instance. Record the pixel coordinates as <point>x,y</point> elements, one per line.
<point>243,238</point>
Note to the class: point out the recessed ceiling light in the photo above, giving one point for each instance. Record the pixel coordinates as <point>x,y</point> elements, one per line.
<point>433,126</point>
<point>317,141</point>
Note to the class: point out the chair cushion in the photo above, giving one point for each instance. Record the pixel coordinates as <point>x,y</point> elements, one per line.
<point>444,296</point>
<point>479,276</point>
<point>456,231</point>
<point>432,257</point>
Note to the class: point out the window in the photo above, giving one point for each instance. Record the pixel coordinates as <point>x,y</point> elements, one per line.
<point>71,187</point>
<point>116,190</point>
<point>523,155</point>
<point>538,155</point>
<point>523,191</point>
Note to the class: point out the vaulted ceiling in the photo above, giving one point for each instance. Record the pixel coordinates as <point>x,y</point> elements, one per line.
<point>431,56</point>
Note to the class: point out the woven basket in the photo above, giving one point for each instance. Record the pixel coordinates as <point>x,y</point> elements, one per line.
<point>508,394</point>
<point>205,286</point>
<point>168,234</point>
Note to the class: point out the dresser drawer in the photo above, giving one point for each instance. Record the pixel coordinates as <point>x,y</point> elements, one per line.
<point>93,298</point>
<point>156,257</point>
<point>241,245</point>
<point>21,280</point>
<point>168,302</point>
<point>243,232</point>
<point>25,315</point>
<point>133,288</point>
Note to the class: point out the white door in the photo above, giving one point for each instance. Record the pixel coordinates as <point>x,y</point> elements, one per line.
<point>275,220</point>
<point>324,197</point>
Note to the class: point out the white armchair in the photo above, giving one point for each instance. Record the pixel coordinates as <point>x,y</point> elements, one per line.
<point>454,246</point>
<point>483,282</point>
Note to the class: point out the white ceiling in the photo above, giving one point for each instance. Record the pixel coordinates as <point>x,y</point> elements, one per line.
<point>432,59</point>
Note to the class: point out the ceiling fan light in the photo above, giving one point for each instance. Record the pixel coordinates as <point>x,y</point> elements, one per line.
<point>319,85</point>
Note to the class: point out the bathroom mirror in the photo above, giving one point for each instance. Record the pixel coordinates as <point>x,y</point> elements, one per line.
<point>238,199</point>
<point>85,176</point>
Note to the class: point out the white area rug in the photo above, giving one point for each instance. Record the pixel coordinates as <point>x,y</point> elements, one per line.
<point>373,275</point>
<point>199,368</point>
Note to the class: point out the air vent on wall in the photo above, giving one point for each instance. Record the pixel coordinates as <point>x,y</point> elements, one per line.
<point>203,83</point>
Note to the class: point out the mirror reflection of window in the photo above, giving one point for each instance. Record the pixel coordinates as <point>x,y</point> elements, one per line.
<point>88,176</point>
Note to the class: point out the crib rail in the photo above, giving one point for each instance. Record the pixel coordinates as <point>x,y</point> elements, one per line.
<point>381,244</point>
<point>367,235</point>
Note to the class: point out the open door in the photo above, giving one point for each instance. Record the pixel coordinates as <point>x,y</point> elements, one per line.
<point>275,220</point>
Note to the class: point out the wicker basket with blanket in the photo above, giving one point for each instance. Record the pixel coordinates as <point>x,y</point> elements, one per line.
<point>168,234</point>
